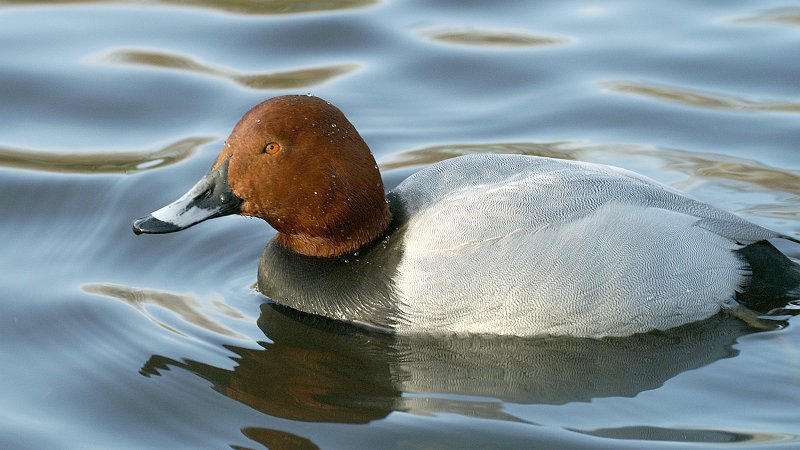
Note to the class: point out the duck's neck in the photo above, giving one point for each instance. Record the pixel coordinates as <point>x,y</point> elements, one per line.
<point>356,287</point>
<point>353,287</point>
<point>337,240</point>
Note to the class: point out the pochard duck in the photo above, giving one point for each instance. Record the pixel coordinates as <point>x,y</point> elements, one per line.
<point>498,244</point>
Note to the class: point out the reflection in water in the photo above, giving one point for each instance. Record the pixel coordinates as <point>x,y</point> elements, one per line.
<point>648,433</point>
<point>187,306</point>
<point>277,80</point>
<point>277,439</point>
<point>105,162</point>
<point>236,6</point>
<point>787,16</point>
<point>778,210</point>
<point>697,98</point>
<point>318,370</point>
<point>493,38</point>
<point>698,166</point>
<point>433,154</point>
<point>307,372</point>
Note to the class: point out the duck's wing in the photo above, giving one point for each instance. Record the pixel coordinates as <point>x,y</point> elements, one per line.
<point>553,190</point>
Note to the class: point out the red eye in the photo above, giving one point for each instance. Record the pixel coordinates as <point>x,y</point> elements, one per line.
<point>272,148</point>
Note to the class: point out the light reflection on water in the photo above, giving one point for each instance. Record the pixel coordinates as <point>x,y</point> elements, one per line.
<point>102,162</point>
<point>492,38</point>
<point>300,78</point>
<point>110,109</point>
<point>781,16</point>
<point>701,99</point>
<point>237,6</point>
<point>188,307</point>
<point>693,168</point>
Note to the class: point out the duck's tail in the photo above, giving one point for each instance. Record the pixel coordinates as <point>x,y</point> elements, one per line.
<point>774,279</point>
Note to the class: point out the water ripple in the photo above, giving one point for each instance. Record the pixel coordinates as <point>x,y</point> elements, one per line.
<point>492,38</point>
<point>788,16</point>
<point>255,7</point>
<point>696,165</point>
<point>188,307</point>
<point>698,98</point>
<point>683,435</point>
<point>101,162</point>
<point>436,153</point>
<point>277,439</point>
<point>291,79</point>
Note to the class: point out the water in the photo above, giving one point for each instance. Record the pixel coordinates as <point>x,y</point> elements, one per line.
<point>109,110</point>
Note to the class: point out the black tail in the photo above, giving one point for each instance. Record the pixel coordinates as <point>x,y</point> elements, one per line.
<point>775,278</point>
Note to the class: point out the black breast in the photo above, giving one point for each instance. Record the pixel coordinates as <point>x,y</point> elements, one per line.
<point>356,287</point>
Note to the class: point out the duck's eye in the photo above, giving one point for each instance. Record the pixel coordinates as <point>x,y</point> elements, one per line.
<point>272,148</point>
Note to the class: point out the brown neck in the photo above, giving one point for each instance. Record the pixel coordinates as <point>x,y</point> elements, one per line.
<point>334,245</point>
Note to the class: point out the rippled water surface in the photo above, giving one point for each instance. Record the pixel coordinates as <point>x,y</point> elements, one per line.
<point>109,110</point>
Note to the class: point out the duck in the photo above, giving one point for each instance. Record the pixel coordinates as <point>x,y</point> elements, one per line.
<point>497,244</point>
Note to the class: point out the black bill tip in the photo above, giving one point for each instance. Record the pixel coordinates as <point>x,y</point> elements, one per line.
<point>209,198</point>
<point>150,225</point>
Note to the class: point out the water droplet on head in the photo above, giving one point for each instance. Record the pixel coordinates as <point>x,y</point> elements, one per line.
<point>333,125</point>
<point>308,94</point>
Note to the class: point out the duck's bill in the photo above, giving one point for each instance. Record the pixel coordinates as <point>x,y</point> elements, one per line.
<point>211,197</point>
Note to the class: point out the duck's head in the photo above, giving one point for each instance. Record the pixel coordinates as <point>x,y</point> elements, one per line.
<point>299,164</point>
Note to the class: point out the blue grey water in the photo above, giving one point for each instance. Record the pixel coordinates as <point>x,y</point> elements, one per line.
<point>109,110</point>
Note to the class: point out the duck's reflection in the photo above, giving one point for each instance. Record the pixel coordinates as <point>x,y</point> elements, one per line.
<point>319,370</point>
